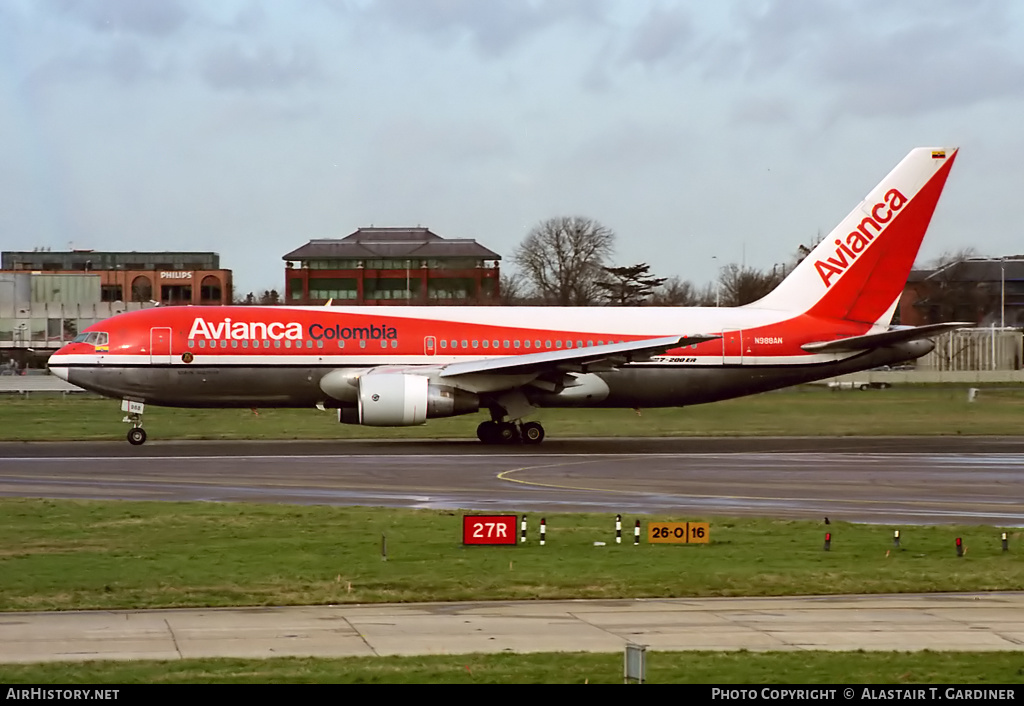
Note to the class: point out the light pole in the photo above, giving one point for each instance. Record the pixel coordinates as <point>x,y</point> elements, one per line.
<point>718,285</point>
<point>1002,292</point>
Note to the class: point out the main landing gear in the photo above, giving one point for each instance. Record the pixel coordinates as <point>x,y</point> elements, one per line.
<point>499,432</point>
<point>136,435</point>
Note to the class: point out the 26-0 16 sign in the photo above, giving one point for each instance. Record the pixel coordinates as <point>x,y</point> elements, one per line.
<point>678,532</point>
<point>489,529</point>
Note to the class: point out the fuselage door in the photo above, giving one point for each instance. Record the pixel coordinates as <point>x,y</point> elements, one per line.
<point>429,345</point>
<point>732,347</point>
<point>160,345</point>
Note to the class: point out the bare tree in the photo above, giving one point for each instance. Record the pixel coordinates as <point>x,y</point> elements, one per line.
<point>513,290</point>
<point>743,285</point>
<point>949,293</point>
<point>562,259</point>
<point>675,291</point>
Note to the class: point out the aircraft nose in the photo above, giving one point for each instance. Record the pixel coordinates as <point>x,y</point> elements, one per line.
<point>57,367</point>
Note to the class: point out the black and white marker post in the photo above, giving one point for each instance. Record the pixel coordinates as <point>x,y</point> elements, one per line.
<point>618,529</point>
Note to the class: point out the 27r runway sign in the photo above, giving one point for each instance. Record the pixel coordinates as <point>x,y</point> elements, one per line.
<point>489,529</point>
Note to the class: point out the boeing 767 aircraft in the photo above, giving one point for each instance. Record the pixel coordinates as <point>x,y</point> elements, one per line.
<point>399,366</point>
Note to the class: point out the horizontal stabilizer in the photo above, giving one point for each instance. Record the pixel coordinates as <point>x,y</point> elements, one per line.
<point>609,355</point>
<point>885,338</point>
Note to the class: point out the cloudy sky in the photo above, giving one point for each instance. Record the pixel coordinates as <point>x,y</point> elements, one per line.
<point>701,133</point>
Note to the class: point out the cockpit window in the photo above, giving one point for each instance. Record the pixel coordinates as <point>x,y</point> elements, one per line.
<point>95,338</point>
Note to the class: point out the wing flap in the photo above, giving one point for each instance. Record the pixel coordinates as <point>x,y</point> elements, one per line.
<point>578,360</point>
<point>885,338</point>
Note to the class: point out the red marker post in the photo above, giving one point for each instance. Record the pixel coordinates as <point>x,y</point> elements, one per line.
<point>959,547</point>
<point>828,541</point>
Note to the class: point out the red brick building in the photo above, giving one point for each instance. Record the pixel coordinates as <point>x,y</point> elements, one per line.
<point>388,266</point>
<point>165,277</point>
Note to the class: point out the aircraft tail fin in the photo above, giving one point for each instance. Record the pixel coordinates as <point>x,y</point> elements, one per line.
<point>860,269</point>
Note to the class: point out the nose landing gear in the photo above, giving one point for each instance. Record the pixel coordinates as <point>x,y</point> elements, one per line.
<point>136,435</point>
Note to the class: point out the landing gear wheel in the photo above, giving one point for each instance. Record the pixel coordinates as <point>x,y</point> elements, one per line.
<point>136,436</point>
<point>532,433</point>
<point>507,433</point>
<point>487,432</point>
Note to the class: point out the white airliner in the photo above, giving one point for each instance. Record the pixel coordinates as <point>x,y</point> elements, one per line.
<point>399,366</point>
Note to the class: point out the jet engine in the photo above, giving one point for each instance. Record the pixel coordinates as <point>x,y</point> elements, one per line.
<point>402,400</point>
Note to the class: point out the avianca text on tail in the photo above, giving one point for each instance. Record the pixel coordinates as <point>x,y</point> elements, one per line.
<point>830,316</point>
<point>860,239</point>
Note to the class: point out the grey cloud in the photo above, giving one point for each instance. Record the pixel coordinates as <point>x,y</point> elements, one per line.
<point>158,18</point>
<point>881,58</point>
<point>495,26</point>
<point>231,68</point>
<point>123,61</point>
<point>663,35</point>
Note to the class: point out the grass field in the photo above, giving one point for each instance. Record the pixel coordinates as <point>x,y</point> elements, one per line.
<point>63,555</point>
<point>801,411</point>
<point>546,668</point>
<point>77,555</point>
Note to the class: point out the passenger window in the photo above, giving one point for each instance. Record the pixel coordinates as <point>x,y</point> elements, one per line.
<point>444,343</point>
<point>320,344</point>
<point>277,344</point>
<point>547,344</point>
<point>590,343</point>
<point>526,343</point>
<point>245,344</point>
<point>465,343</point>
<point>394,343</point>
<point>266,344</point>
<point>202,343</point>
<point>191,344</point>
<point>558,344</point>
<point>234,343</point>
<point>516,343</point>
<point>476,343</point>
<point>506,343</point>
<point>223,344</point>
<point>496,343</point>
<point>341,343</point>
<point>486,343</point>
<point>537,343</point>
<point>579,344</point>
<point>309,343</point>
<point>362,343</point>
<point>383,344</point>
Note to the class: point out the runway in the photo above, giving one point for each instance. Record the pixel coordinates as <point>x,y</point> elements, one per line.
<point>903,480</point>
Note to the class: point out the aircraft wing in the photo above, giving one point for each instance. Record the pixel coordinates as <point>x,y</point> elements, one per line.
<point>579,360</point>
<point>885,338</point>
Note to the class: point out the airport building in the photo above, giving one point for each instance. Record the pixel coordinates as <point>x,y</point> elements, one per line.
<point>165,277</point>
<point>388,266</point>
<point>47,297</point>
<point>984,291</point>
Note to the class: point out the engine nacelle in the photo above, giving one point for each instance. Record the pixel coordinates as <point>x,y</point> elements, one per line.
<point>402,400</point>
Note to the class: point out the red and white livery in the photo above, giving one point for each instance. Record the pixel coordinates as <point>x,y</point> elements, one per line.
<point>399,366</point>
